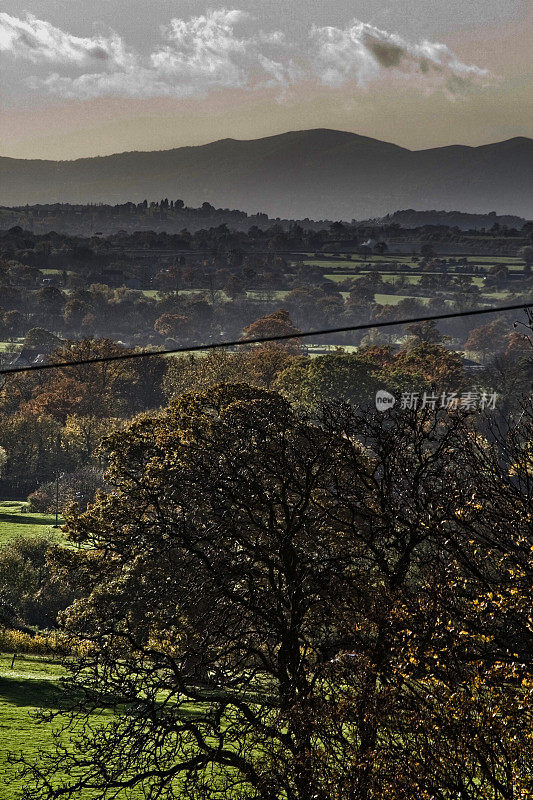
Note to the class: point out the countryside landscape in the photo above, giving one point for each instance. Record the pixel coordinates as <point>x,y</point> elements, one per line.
<point>266,420</point>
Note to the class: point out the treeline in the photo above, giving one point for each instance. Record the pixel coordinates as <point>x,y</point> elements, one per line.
<point>52,421</point>
<point>163,216</point>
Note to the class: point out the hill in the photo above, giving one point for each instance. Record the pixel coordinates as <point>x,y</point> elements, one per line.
<point>316,173</point>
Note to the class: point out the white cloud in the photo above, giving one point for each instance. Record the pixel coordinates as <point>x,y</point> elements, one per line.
<point>39,41</point>
<point>135,82</point>
<point>363,53</point>
<point>221,49</point>
<point>205,51</point>
<point>281,74</point>
<point>197,55</point>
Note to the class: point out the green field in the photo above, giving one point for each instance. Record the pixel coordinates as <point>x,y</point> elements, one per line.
<point>394,299</point>
<point>356,261</point>
<point>340,263</point>
<point>388,277</point>
<point>11,347</point>
<point>16,520</point>
<point>31,683</point>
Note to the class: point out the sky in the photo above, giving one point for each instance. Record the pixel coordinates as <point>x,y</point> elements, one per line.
<point>82,79</point>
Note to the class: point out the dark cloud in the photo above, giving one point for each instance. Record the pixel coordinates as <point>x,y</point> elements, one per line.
<point>389,55</point>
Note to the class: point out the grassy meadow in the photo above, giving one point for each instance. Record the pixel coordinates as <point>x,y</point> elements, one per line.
<point>30,683</point>
<point>16,520</point>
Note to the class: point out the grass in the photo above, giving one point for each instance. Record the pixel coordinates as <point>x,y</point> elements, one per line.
<point>259,294</point>
<point>504,295</point>
<point>340,263</point>
<point>343,263</point>
<point>17,520</point>
<point>394,299</point>
<point>11,347</point>
<point>495,260</point>
<point>315,350</point>
<point>30,685</point>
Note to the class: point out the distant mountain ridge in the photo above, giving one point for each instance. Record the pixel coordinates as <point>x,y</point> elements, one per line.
<point>318,173</point>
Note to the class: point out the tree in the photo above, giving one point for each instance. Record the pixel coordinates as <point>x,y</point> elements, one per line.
<point>75,312</point>
<point>432,363</point>
<point>34,448</point>
<point>175,326</point>
<point>527,254</point>
<point>78,487</point>
<point>25,599</point>
<point>331,377</point>
<point>258,366</point>
<point>487,339</point>
<point>277,324</point>
<point>284,609</point>
<point>50,301</point>
<point>103,389</point>
<point>82,435</point>
<point>40,340</point>
<point>200,373</point>
<point>426,332</point>
<point>519,345</point>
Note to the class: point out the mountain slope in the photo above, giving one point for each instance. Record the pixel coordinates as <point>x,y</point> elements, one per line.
<point>317,173</point>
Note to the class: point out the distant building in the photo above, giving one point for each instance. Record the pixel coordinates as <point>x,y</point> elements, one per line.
<point>28,358</point>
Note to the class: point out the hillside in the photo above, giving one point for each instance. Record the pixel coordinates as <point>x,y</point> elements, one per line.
<point>317,173</point>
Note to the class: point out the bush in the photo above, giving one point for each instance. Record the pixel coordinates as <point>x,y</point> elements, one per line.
<point>29,596</point>
<point>39,501</point>
<point>77,487</point>
<point>42,644</point>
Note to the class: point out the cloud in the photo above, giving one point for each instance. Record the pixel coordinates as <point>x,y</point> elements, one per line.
<point>221,49</point>
<point>40,42</point>
<point>135,82</point>
<point>197,55</point>
<point>363,53</point>
<point>205,52</point>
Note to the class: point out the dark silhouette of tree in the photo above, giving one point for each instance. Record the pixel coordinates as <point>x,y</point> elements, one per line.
<point>277,608</point>
<point>527,254</point>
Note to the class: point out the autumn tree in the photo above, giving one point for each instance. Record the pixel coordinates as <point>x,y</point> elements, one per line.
<point>257,366</point>
<point>281,608</point>
<point>330,377</point>
<point>432,363</point>
<point>34,450</point>
<point>100,389</point>
<point>487,339</point>
<point>40,340</point>
<point>24,582</point>
<point>277,324</point>
<point>175,326</point>
<point>426,331</point>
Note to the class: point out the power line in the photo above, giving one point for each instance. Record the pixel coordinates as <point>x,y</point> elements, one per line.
<point>279,338</point>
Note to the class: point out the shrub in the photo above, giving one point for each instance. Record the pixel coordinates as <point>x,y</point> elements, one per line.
<point>77,487</point>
